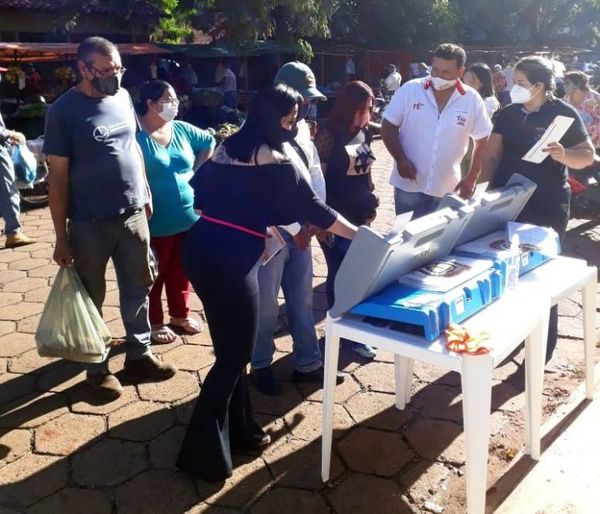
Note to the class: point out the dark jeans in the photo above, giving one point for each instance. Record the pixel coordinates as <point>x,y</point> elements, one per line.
<point>334,256</point>
<point>555,214</point>
<point>222,416</point>
<point>125,240</point>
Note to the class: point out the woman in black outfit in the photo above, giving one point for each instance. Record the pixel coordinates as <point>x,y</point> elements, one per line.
<point>247,186</point>
<point>519,126</point>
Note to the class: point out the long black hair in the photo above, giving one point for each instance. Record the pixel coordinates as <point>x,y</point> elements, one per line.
<point>263,125</point>
<point>150,90</point>
<point>484,75</point>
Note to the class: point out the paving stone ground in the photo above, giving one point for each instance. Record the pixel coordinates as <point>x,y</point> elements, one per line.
<point>62,453</point>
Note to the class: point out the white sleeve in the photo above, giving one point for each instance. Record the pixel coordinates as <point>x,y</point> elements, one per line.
<point>394,112</point>
<point>316,174</point>
<point>482,124</point>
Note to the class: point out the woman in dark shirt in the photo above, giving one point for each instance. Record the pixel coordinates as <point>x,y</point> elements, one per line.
<point>344,146</point>
<point>517,128</point>
<point>247,186</point>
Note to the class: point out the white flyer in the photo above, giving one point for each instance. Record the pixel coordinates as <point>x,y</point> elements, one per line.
<point>555,131</point>
<point>273,244</point>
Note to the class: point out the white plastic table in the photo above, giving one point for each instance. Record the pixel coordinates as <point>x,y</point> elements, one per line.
<point>561,277</point>
<point>521,314</point>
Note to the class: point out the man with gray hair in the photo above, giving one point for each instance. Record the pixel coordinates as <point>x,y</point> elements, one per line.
<point>97,183</point>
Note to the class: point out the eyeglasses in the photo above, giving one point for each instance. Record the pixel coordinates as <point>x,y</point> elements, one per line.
<point>172,101</point>
<point>118,70</point>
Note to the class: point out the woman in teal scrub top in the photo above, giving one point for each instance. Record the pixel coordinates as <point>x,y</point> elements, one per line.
<point>172,151</point>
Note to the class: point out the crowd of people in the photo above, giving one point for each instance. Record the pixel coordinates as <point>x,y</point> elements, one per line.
<point>133,184</point>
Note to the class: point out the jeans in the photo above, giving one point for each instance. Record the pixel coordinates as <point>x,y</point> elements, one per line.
<point>290,269</point>
<point>420,203</point>
<point>125,240</point>
<point>9,194</point>
<point>170,275</point>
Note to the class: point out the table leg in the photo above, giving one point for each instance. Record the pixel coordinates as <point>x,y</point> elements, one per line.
<point>589,334</point>
<point>535,353</point>
<point>332,350</point>
<point>476,381</point>
<point>403,367</point>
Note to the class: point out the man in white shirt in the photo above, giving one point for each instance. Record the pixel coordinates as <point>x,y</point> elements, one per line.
<point>291,269</point>
<point>229,87</point>
<point>427,127</point>
<point>393,80</point>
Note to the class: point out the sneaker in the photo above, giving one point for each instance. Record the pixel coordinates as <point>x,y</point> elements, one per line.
<point>364,350</point>
<point>315,376</point>
<point>18,239</point>
<point>148,369</point>
<point>266,382</point>
<point>104,385</point>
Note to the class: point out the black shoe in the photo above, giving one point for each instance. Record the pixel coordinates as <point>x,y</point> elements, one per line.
<point>266,382</point>
<point>316,375</point>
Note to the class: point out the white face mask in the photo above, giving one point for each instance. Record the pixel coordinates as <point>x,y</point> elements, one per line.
<point>520,94</point>
<point>169,111</point>
<point>440,84</point>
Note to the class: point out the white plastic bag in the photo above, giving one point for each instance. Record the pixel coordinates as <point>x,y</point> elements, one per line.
<point>70,326</point>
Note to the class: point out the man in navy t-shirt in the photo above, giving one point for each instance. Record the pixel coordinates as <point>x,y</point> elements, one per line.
<point>97,183</point>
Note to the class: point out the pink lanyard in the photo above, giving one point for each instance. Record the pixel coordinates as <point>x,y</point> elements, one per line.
<point>234,226</point>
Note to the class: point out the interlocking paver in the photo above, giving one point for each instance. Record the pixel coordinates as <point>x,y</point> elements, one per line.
<point>249,480</point>
<point>13,344</point>
<point>304,421</point>
<point>13,444</point>
<point>68,433</point>
<point>180,386</point>
<point>156,492</point>
<point>20,310</point>
<point>139,421</point>
<point>190,357</point>
<point>165,448</point>
<point>33,410</point>
<point>377,410</point>
<point>108,462</point>
<point>31,478</point>
<point>21,284</point>
<point>10,298</point>
<point>13,386</point>
<point>374,451</point>
<point>365,494</point>
<point>71,500</point>
<point>84,402</point>
<point>27,264</point>
<point>30,362</point>
<point>283,499</point>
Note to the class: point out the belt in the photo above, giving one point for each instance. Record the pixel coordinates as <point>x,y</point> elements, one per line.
<point>233,226</point>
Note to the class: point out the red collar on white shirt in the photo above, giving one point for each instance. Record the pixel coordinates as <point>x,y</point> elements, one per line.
<point>459,86</point>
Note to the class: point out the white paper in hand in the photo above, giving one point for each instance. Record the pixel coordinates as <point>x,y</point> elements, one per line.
<point>273,244</point>
<point>555,131</point>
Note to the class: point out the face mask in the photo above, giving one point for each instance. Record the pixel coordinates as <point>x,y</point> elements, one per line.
<point>107,85</point>
<point>289,135</point>
<point>440,84</point>
<point>303,110</point>
<point>520,94</point>
<point>169,111</point>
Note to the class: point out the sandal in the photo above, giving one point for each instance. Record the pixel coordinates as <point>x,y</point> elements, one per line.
<point>188,325</point>
<point>162,334</point>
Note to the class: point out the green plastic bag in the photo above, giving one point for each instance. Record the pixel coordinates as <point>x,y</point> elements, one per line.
<point>70,326</point>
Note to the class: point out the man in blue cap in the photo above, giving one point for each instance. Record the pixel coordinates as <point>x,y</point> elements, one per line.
<point>291,269</point>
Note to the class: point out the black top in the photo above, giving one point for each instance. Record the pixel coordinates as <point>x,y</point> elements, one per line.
<point>349,159</point>
<point>253,197</point>
<point>520,131</point>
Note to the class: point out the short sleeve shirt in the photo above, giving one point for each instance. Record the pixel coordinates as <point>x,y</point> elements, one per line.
<point>106,175</point>
<point>520,130</point>
<point>169,170</point>
<point>435,143</point>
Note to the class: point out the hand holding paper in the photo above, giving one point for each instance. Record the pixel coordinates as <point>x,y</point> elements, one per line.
<point>555,131</point>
